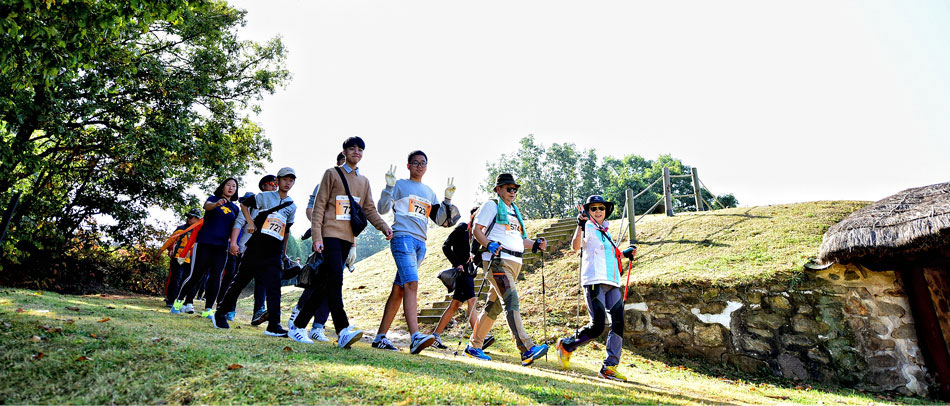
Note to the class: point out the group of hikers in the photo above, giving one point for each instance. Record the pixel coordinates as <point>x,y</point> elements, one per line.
<point>228,244</point>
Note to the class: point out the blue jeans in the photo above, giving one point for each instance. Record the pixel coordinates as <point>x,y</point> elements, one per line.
<point>408,254</point>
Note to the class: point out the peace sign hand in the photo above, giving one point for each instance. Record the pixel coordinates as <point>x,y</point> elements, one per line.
<point>450,188</point>
<point>391,176</point>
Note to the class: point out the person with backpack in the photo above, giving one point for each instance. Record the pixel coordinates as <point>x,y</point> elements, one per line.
<point>413,204</point>
<point>211,251</point>
<point>344,198</point>
<point>263,259</point>
<point>499,226</point>
<point>175,245</point>
<point>239,237</point>
<point>600,278</point>
<point>460,251</point>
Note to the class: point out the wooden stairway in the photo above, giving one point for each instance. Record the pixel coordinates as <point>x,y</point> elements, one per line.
<point>558,235</point>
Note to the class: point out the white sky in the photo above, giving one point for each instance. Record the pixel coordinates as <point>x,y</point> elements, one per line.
<point>776,102</point>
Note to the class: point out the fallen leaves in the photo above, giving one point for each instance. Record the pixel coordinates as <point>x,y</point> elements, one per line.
<point>73,308</point>
<point>19,310</point>
<point>156,340</point>
<point>93,335</point>
<point>235,366</point>
<point>83,358</point>
<point>104,320</point>
<point>51,330</point>
<point>38,356</point>
<point>288,349</point>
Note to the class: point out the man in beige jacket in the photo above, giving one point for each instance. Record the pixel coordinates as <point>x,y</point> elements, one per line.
<point>333,237</point>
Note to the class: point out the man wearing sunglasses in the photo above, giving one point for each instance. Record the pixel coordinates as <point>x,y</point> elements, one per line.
<point>413,205</point>
<point>499,226</point>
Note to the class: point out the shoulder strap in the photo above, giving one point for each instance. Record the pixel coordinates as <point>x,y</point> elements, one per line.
<point>346,186</point>
<point>267,212</point>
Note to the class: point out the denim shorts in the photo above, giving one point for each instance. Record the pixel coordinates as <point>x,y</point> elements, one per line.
<point>408,253</point>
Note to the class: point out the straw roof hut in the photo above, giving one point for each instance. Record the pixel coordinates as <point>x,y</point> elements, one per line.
<point>911,225</point>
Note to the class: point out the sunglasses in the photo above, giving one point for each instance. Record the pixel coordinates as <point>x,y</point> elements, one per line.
<point>419,164</point>
<point>511,189</point>
<point>598,208</point>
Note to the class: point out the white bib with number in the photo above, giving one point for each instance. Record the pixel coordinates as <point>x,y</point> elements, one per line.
<point>274,226</point>
<point>419,207</point>
<point>343,207</point>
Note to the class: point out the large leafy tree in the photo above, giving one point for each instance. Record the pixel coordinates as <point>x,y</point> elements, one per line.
<point>109,108</point>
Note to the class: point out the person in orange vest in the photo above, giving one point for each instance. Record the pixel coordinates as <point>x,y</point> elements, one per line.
<point>179,254</point>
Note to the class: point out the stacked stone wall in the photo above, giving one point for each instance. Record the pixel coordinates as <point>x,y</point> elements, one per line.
<point>938,281</point>
<point>845,325</point>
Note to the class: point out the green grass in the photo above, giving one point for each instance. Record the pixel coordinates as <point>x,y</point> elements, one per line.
<point>145,355</point>
<point>142,354</point>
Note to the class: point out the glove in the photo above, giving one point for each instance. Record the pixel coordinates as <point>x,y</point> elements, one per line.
<point>493,247</point>
<point>350,259</point>
<point>630,252</point>
<point>450,189</point>
<point>181,261</point>
<point>536,246</point>
<point>391,176</point>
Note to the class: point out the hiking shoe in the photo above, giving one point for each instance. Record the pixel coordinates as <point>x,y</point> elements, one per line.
<point>176,306</point>
<point>260,316</point>
<point>610,372</point>
<point>476,353</point>
<point>230,316</point>
<point>438,343</point>
<point>384,344</point>
<point>563,354</point>
<point>188,308</point>
<point>293,315</point>
<point>207,313</point>
<point>276,330</point>
<point>317,334</point>
<point>533,353</point>
<point>421,342</point>
<point>219,320</point>
<point>489,340</point>
<point>299,335</point>
<point>349,336</point>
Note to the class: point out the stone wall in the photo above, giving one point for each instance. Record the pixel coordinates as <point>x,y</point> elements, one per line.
<point>939,283</point>
<point>845,325</point>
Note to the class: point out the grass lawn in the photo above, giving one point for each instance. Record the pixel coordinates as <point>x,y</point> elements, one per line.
<point>129,349</point>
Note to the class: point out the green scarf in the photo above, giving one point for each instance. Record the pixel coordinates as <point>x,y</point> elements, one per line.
<point>501,217</point>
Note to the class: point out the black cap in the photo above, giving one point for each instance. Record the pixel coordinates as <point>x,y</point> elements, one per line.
<point>265,179</point>
<point>196,213</point>
<point>599,199</point>
<point>354,141</point>
<point>505,179</point>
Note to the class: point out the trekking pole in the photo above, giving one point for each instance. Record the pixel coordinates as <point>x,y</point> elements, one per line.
<point>477,296</point>
<point>544,306</point>
<point>629,266</point>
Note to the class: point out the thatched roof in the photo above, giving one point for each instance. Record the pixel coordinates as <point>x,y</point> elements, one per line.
<point>912,224</point>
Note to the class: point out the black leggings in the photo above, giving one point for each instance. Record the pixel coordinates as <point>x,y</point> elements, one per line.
<point>209,260</point>
<point>263,265</point>
<point>328,285</point>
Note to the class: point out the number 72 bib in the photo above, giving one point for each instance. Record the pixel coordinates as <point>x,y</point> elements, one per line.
<point>343,207</point>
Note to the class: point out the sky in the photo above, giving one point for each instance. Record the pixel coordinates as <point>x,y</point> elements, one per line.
<point>775,102</point>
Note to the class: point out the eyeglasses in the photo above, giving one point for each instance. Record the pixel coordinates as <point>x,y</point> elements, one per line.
<point>511,189</point>
<point>419,164</point>
<point>598,208</point>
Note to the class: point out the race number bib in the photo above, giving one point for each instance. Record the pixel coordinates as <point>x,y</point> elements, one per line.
<point>274,226</point>
<point>513,227</point>
<point>419,207</point>
<point>343,207</point>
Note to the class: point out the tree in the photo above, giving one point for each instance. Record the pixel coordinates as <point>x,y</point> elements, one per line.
<point>555,179</point>
<point>107,109</point>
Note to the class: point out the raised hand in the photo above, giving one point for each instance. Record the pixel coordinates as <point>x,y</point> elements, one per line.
<point>391,176</point>
<point>450,188</point>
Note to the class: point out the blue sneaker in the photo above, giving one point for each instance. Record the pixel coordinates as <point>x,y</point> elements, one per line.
<point>476,353</point>
<point>230,316</point>
<point>533,353</point>
<point>420,342</point>
<point>349,336</point>
<point>176,306</point>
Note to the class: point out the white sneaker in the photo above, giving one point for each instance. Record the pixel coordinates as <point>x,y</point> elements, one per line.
<point>317,334</point>
<point>299,335</point>
<point>349,336</point>
<point>293,316</point>
<point>188,308</point>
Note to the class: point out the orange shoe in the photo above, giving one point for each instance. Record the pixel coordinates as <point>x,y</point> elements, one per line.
<point>611,373</point>
<point>563,355</point>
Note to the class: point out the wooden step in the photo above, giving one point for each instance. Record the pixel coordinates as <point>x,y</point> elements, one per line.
<point>432,312</point>
<point>429,319</point>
